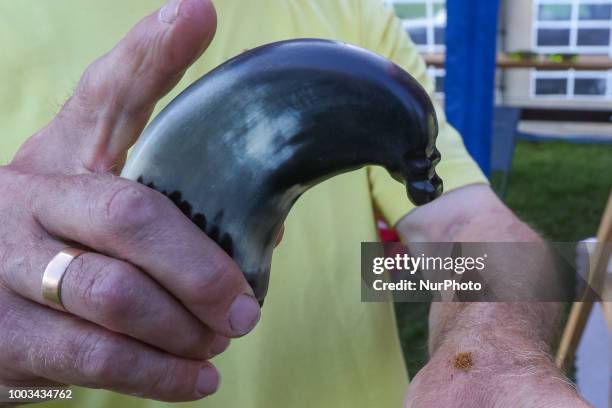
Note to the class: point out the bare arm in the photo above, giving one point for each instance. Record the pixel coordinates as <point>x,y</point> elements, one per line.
<point>509,342</point>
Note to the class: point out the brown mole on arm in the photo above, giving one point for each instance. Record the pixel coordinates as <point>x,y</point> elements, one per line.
<point>463,361</point>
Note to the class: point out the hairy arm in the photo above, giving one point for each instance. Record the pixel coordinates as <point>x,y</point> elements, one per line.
<point>509,342</point>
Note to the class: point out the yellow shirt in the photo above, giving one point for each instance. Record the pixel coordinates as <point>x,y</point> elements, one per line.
<point>317,344</point>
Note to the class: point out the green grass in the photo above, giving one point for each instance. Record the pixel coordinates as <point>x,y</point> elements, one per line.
<point>560,189</point>
<point>412,325</point>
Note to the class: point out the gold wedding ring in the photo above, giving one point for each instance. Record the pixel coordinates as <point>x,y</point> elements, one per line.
<point>54,273</point>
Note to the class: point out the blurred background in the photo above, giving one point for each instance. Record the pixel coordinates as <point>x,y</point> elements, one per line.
<point>551,145</point>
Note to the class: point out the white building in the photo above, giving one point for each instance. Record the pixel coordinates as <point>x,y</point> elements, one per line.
<point>551,27</point>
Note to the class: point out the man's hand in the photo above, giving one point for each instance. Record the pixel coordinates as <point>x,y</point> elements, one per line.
<point>153,298</point>
<point>508,343</point>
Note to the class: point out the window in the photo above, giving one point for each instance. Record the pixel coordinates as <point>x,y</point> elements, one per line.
<point>573,26</point>
<point>590,86</point>
<point>594,36</point>
<point>595,12</point>
<point>593,85</point>
<point>424,21</point>
<point>554,37</point>
<point>555,12</point>
<point>437,76</point>
<point>551,86</point>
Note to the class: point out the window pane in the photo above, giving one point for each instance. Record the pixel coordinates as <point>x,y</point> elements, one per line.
<point>590,86</point>
<point>418,35</point>
<point>595,11</point>
<point>410,11</point>
<point>439,14</point>
<point>551,86</point>
<point>439,33</point>
<point>594,36</point>
<point>439,83</point>
<point>553,36</point>
<point>555,12</point>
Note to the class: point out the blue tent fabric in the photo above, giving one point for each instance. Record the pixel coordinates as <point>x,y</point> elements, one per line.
<point>471,39</point>
<point>505,131</point>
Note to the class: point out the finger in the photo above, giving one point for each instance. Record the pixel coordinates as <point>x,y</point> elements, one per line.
<point>126,220</point>
<point>117,93</point>
<point>117,296</point>
<point>65,349</point>
<point>218,346</point>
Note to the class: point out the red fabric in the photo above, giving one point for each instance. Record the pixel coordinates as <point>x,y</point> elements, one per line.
<point>387,234</point>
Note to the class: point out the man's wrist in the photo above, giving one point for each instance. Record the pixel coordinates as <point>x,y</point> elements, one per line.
<point>495,367</point>
<point>534,382</point>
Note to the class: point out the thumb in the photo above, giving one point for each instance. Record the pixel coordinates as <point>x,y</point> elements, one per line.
<point>117,93</point>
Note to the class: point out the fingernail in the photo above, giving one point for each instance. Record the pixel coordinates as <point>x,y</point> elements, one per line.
<point>244,314</point>
<point>208,380</point>
<point>170,11</point>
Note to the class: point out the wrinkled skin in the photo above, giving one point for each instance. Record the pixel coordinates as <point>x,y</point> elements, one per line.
<point>125,302</point>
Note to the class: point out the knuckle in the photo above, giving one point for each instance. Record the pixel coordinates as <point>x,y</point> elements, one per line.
<point>195,343</point>
<point>21,234</point>
<point>109,292</point>
<point>101,359</point>
<point>92,87</point>
<point>15,186</point>
<point>219,345</point>
<point>128,207</point>
<point>175,382</point>
<point>141,58</point>
<point>217,284</point>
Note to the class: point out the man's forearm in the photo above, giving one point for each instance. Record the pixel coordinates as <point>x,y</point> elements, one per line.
<point>534,321</point>
<point>490,222</point>
<point>479,347</point>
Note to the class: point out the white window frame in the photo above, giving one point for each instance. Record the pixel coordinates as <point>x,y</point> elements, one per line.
<point>571,75</point>
<point>573,24</point>
<point>428,22</point>
<point>432,74</point>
